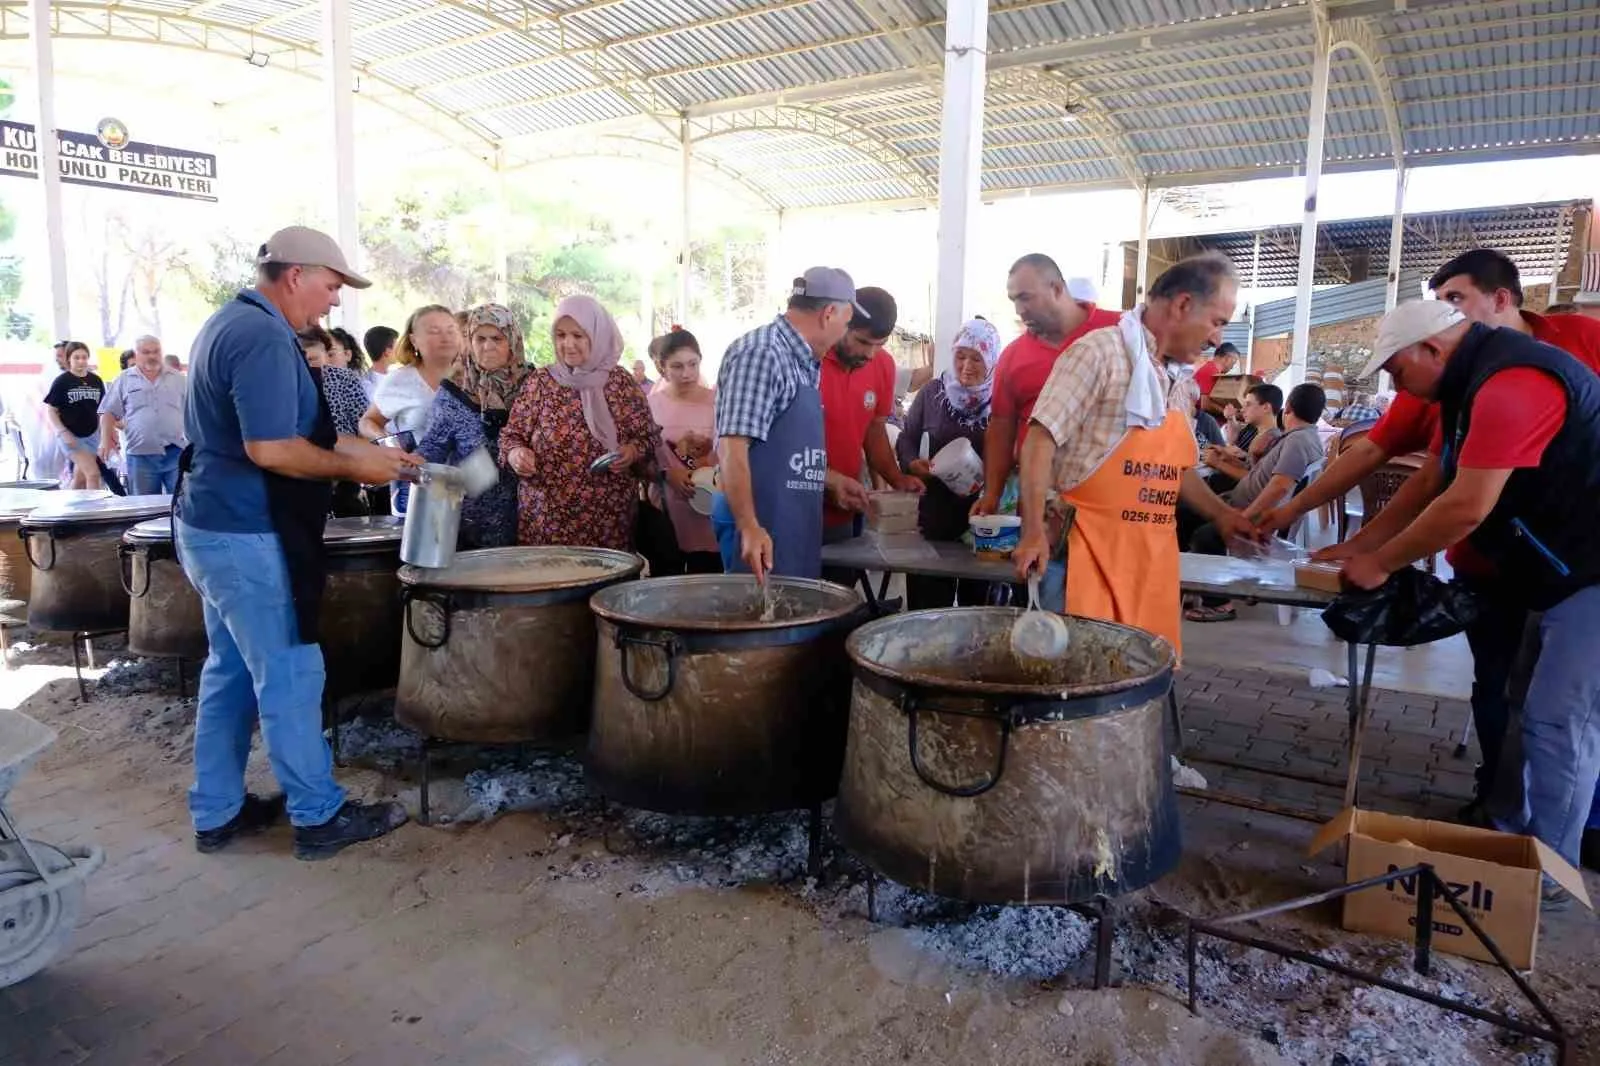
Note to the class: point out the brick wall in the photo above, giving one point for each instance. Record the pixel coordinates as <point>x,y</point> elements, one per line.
<point>1339,340</point>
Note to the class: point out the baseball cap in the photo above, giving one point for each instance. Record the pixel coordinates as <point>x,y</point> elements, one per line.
<point>828,283</point>
<point>1586,298</point>
<point>304,246</point>
<point>876,311</point>
<point>1083,290</point>
<point>1407,324</point>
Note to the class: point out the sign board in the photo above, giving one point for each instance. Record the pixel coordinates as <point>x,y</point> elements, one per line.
<point>86,159</point>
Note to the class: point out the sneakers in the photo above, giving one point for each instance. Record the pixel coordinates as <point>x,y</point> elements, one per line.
<point>353,824</point>
<point>255,815</point>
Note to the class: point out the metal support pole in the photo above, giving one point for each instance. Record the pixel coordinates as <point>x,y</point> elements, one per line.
<point>502,235</point>
<point>1255,299</point>
<point>966,62</point>
<point>49,153</point>
<point>1396,239</point>
<point>1308,222</point>
<point>1142,270</point>
<point>337,55</point>
<point>685,245</point>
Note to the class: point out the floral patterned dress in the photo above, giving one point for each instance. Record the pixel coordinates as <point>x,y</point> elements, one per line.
<point>457,427</point>
<point>563,503</point>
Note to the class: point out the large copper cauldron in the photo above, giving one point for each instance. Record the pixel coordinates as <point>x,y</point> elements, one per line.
<point>165,616</point>
<point>970,775</point>
<point>361,605</point>
<point>499,645</point>
<point>17,499</point>
<point>705,703</point>
<point>72,546</point>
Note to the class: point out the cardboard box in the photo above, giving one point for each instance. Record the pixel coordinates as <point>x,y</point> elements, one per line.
<point>1321,576</point>
<point>1495,876</point>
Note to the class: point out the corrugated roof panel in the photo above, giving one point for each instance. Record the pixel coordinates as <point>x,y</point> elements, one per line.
<point>1495,77</point>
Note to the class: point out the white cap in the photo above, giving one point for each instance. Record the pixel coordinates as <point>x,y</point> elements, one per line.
<point>1408,323</point>
<point>1083,290</point>
<point>1586,299</point>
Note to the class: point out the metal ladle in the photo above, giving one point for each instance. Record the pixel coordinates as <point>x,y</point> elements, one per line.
<point>1037,633</point>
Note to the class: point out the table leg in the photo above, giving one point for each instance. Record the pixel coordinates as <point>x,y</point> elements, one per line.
<point>1360,706</point>
<point>872,597</point>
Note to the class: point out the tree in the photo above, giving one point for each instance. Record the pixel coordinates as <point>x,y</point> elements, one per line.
<point>230,267</point>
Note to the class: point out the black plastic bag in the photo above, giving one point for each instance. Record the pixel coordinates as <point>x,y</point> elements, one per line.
<point>1410,608</point>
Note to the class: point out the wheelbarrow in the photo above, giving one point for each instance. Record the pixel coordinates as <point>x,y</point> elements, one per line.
<point>41,885</point>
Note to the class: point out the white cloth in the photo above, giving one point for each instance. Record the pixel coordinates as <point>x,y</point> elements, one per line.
<point>1147,393</point>
<point>405,399</point>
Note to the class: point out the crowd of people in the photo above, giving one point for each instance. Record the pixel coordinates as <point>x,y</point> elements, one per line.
<point>1091,426</point>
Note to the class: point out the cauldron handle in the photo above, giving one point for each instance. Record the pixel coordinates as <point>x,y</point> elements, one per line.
<point>669,650</point>
<point>908,703</point>
<point>27,548</point>
<point>440,600</point>
<point>125,554</point>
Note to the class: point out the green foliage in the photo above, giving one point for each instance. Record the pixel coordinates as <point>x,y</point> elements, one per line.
<point>231,267</point>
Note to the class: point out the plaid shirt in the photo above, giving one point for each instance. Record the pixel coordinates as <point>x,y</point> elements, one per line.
<point>1084,403</point>
<point>761,373</point>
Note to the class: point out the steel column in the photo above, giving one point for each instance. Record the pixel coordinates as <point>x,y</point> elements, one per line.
<point>685,243</point>
<point>1142,270</point>
<point>338,60</point>
<point>49,156</point>
<point>966,63</point>
<point>1396,239</point>
<point>502,232</point>
<point>1308,222</point>
<point>1255,299</point>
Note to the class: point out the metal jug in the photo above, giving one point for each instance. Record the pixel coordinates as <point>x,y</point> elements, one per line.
<point>433,515</point>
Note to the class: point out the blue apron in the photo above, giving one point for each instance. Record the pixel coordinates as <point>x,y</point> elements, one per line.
<point>787,472</point>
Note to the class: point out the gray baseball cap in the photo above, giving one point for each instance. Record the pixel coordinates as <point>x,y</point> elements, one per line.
<point>829,283</point>
<point>304,246</point>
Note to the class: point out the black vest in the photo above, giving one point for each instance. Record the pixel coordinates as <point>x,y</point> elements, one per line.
<point>1544,533</point>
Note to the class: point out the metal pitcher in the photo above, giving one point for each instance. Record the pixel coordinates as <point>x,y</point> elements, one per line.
<point>433,514</point>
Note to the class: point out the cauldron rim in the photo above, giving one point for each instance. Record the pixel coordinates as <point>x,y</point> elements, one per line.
<point>1163,651</point>
<point>604,605</point>
<point>625,565</point>
<point>120,511</point>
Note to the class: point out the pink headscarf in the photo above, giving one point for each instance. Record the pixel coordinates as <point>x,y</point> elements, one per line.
<point>605,351</point>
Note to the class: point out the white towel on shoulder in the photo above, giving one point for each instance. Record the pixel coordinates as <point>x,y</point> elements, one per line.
<point>1147,392</point>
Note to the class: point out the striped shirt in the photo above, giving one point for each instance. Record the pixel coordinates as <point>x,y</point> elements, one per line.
<point>1084,402</point>
<point>761,374</point>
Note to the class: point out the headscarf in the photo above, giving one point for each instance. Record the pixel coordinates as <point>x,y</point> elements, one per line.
<point>971,405</point>
<point>492,390</point>
<point>605,352</point>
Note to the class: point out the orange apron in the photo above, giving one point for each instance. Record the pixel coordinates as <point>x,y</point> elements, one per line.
<point>1122,550</point>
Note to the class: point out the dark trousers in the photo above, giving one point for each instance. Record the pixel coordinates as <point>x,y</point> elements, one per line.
<point>925,593</point>
<point>1207,540</point>
<point>1501,666</point>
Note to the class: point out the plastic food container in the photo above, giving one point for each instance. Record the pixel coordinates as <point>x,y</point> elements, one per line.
<point>959,467</point>
<point>995,536</point>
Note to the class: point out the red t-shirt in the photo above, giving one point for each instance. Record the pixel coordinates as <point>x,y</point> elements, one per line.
<point>851,401</point>
<point>1411,424</point>
<point>1025,366</point>
<point>1206,377</point>
<point>1515,416</point>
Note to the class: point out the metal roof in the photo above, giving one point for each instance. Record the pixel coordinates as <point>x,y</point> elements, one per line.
<point>822,102</point>
<point>1535,236</point>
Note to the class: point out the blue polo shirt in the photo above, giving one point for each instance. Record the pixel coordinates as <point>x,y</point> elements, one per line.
<point>248,380</point>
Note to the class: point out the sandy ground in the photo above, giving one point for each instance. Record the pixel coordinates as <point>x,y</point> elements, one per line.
<point>619,937</point>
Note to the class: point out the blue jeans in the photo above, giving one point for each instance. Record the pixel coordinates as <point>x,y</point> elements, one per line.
<point>1561,729</point>
<point>153,475</point>
<point>1053,587</point>
<point>256,667</point>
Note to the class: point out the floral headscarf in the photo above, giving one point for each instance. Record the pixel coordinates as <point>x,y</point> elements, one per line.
<point>492,390</point>
<point>971,405</point>
<point>605,352</point>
